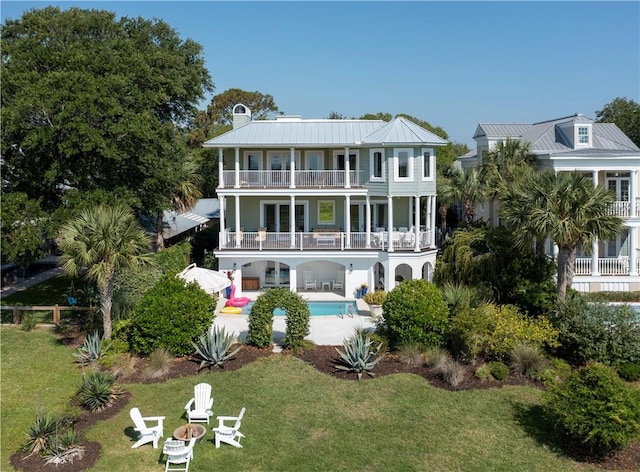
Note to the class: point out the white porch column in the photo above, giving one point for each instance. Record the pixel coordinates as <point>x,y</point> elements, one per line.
<point>431,227</point>
<point>292,222</point>
<point>220,168</point>
<point>292,168</point>
<point>633,194</point>
<point>595,250</point>
<point>416,224</point>
<point>347,208</point>
<point>367,217</point>
<point>237,168</point>
<point>390,224</point>
<point>633,251</point>
<point>236,199</point>
<point>347,168</point>
<point>222,243</point>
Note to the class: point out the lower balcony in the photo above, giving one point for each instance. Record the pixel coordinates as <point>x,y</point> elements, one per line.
<point>606,266</point>
<point>326,240</point>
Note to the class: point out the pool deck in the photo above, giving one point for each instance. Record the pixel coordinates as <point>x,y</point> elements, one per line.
<point>324,330</point>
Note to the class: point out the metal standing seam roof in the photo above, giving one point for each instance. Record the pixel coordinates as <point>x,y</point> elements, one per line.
<point>321,133</point>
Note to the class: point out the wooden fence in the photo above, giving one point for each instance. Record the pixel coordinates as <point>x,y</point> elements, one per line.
<point>56,309</point>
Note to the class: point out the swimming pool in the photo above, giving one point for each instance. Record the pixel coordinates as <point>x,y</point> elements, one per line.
<point>318,309</point>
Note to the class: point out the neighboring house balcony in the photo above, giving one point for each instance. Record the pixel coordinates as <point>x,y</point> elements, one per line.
<point>605,266</point>
<point>625,209</point>
<point>289,179</point>
<point>324,240</point>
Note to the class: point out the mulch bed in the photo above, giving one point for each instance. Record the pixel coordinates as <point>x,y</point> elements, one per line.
<point>324,359</point>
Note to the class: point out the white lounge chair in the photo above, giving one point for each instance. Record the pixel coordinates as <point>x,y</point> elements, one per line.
<point>309,281</point>
<point>339,282</point>
<point>178,453</point>
<point>146,434</point>
<point>199,407</point>
<point>229,434</point>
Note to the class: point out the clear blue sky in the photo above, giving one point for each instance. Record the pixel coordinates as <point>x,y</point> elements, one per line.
<point>453,64</point>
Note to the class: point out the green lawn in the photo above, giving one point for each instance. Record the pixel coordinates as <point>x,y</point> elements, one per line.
<point>296,419</point>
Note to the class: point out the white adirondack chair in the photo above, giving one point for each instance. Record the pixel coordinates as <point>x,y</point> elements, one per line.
<point>146,434</point>
<point>309,281</point>
<point>178,453</point>
<point>199,407</point>
<point>229,434</point>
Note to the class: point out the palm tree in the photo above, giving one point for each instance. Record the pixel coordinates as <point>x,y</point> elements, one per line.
<point>184,196</point>
<point>464,186</point>
<point>566,207</point>
<point>97,243</point>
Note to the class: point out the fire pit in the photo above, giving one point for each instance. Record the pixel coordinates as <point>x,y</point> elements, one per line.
<point>189,431</point>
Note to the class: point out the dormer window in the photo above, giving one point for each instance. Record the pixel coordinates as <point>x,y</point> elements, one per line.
<point>583,136</point>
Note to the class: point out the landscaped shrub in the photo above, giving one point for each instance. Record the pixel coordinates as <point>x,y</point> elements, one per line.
<point>557,370</point>
<point>613,296</point>
<point>499,370</point>
<point>129,286</point>
<point>28,322</point>
<point>415,313</point>
<point>527,360</point>
<point>92,349</point>
<point>55,439</point>
<point>595,409</point>
<point>39,433</point>
<point>159,365</point>
<point>629,371</point>
<point>411,355</point>
<point>98,391</point>
<point>261,318</point>
<point>494,330</point>
<point>453,372</point>
<point>436,356</point>
<point>174,258</point>
<point>171,315</point>
<point>483,372</point>
<point>596,332</point>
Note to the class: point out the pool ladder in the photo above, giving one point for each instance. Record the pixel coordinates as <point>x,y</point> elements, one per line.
<point>350,312</point>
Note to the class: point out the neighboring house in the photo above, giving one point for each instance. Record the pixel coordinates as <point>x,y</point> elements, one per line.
<point>181,226</point>
<point>326,204</point>
<point>602,150</point>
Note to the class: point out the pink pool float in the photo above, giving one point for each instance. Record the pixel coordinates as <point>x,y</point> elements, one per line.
<point>236,301</point>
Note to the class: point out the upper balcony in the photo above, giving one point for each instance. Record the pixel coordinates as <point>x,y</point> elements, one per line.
<point>283,179</point>
<point>623,209</point>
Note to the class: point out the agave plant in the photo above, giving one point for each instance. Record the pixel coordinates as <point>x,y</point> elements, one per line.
<point>214,347</point>
<point>358,356</point>
<point>98,391</point>
<point>91,350</point>
<point>40,432</point>
<point>64,447</point>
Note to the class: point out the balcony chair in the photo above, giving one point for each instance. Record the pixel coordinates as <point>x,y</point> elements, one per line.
<point>146,433</point>
<point>309,281</point>
<point>229,434</point>
<point>199,407</point>
<point>178,453</point>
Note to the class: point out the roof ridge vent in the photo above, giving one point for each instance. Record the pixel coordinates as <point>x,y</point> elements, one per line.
<point>289,118</point>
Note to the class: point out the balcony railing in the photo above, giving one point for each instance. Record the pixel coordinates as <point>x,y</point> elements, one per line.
<point>623,208</point>
<point>606,266</point>
<point>324,240</point>
<point>282,178</point>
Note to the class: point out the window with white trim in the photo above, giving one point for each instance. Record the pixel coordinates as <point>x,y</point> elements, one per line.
<point>376,158</point>
<point>281,160</point>
<point>428,164</point>
<point>314,160</point>
<point>403,164</point>
<point>339,164</point>
<point>253,160</point>
<point>583,135</point>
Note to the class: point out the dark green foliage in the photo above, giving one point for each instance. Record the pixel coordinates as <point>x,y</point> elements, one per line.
<point>261,317</point>
<point>629,371</point>
<point>129,286</point>
<point>358,356</point>
<point>488,260</point>
<point>595,409</point>
<point>596,332</point>
<point>214,348</point>
<point>98,391</point>
<point>174,259</point>
<point>39,433</point>
<point>64,447</point>
<point>28,321</point>
<point>91,349</point>
<point>415,313</point>
<point>171,315</point>
<point>499,370</point>
<point>613,296</point>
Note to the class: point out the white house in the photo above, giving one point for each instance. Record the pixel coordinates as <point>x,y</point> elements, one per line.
<point>326,205</point>
<point>602,150</point>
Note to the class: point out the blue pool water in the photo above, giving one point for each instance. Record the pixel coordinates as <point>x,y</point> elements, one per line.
<point>318,309</point>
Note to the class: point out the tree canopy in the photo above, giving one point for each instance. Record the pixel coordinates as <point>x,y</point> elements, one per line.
<point>94,102</point>
<point>625,113</point>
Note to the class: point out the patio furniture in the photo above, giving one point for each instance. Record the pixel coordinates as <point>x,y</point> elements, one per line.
<point>199,407</point>
<point>339,282</point>
<point>309,281</point>
<point>146,433</point>
<point>178,453</point>
<point>190,431</point>
<point>229,434</point>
